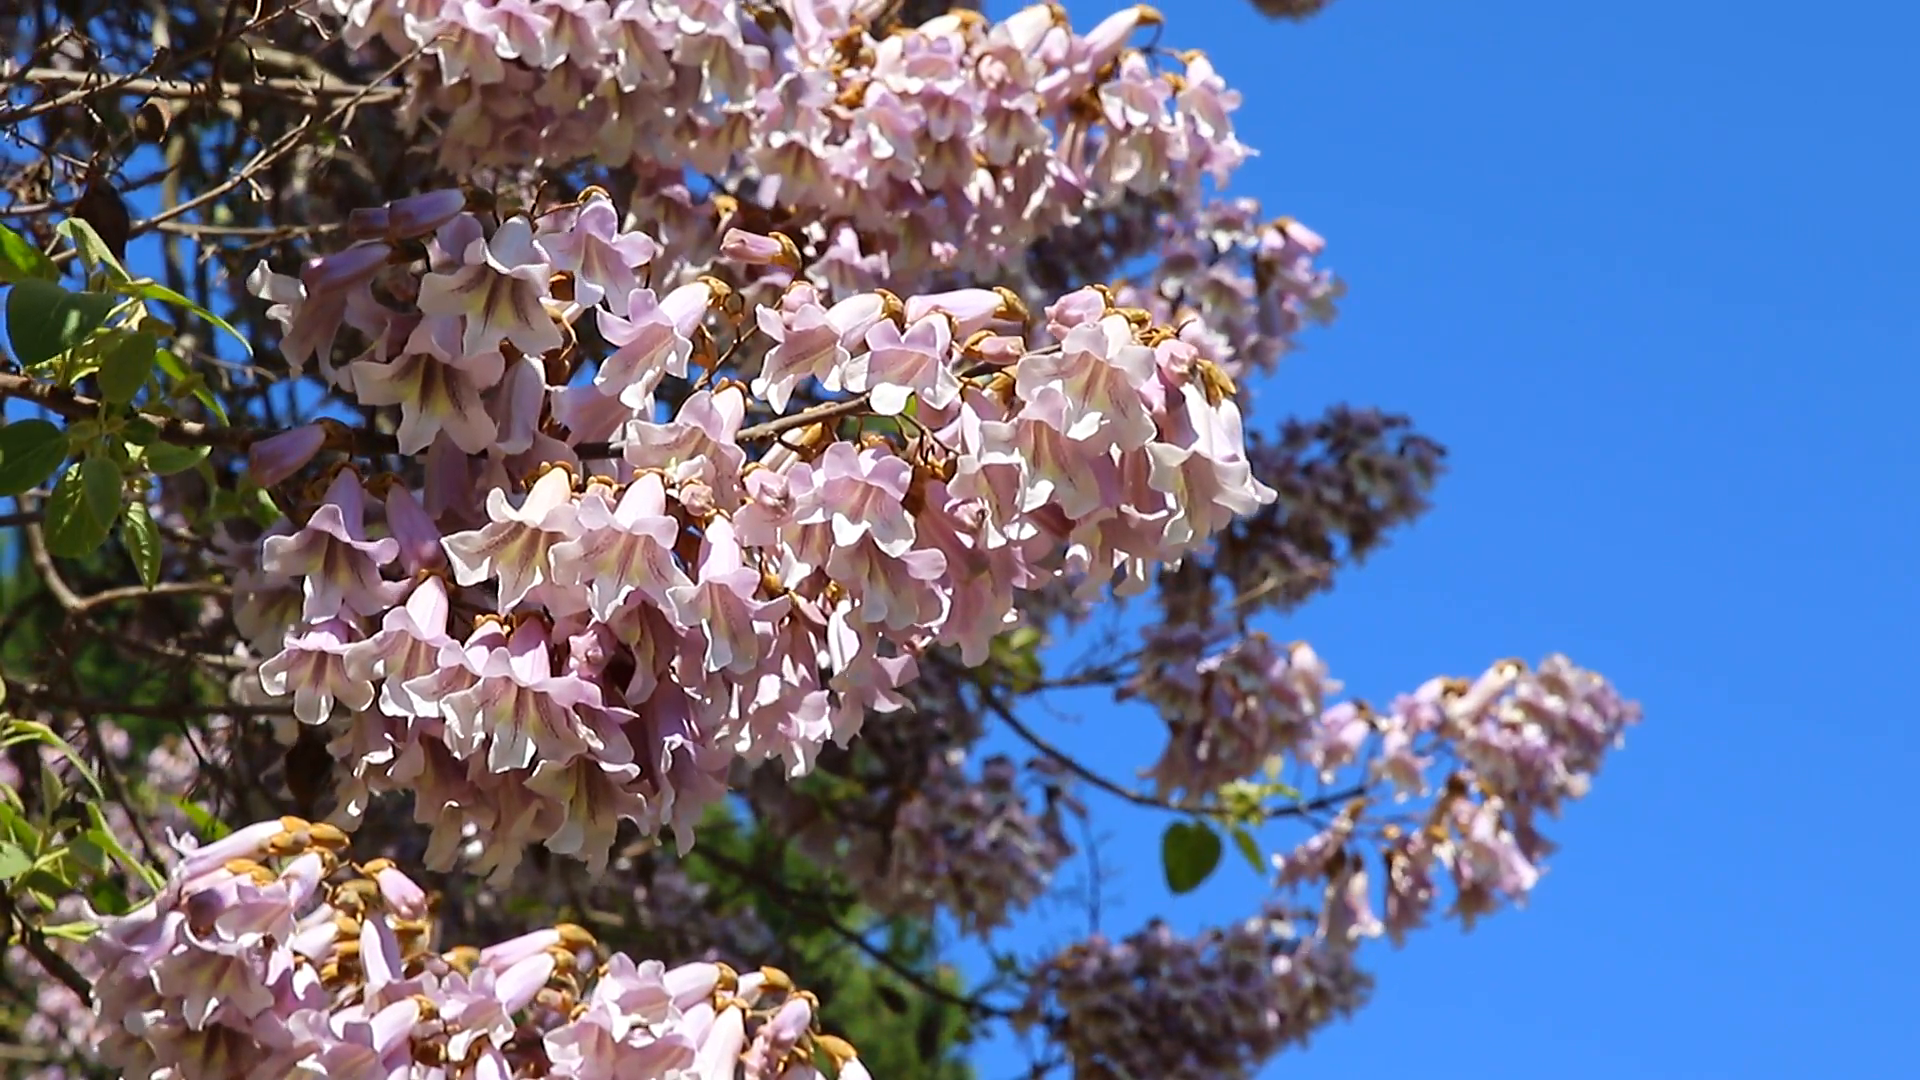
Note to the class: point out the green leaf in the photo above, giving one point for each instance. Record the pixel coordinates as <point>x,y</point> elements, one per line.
<point>140,431</point>
<point>103,835</point>
<point>80,930</point>
<point>13,861</point>
<point>165,459</point>
<point>126,366</point>
<point>88,853</point>
<point>177,371</point>
<point>29,452</point>
<point>14,826</point>
<point>1189,852</point>
<point>22,731</point>
<point>153,290</point>
<point>209,827</point>
<point>142,538</point>
<point>1249,848</point>
<point>83,507</point>
<point>91,247</point>
<point>20,259</point>
<point>45,320</point>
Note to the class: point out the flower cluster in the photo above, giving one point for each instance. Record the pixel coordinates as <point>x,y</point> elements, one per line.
<point>936,837</point>
<point>905,154</point>
<point>1240,287</point>
<point>271,953</point>
<point>1343,480</point>
<point>1513,745</point>
<point>1230,712</point>
<point>1213,1007</point>
<point>598,648</point>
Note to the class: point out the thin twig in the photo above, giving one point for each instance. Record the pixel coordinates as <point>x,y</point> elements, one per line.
<point>36,945</point>
<point>43,563</point>
<point>141,592</point>
<point>1139,798</point>
<point>291,91</point>
<point>277,149</point>
<point>918,980</point>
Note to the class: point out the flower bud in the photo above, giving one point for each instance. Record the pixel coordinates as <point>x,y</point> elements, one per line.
<point>760,249</point>
<point>277,457</point>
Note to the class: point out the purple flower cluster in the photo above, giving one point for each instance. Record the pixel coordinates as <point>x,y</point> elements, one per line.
<point>270,953</point>
<point>598,648</point>
<point>1212,1007</point>
<point>1230,712</point>
<point>932,837</point>
<point>1486,759</point>
<point>1494,755</point>
<point>1241,287</point>
<point>909,153</point>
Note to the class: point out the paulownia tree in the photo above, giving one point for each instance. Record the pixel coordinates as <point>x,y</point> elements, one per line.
<point>529,516</point>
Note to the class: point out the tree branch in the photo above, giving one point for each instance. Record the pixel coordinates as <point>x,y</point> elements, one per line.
<point>36,945</point>
<point>298,92</point>
<point>1140,798</point>
<point>853,937</point>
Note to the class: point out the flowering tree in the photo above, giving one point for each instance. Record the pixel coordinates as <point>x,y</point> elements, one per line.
<point>532,514</point>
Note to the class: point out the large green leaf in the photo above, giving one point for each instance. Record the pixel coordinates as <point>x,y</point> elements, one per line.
<point>20,260</point>
<point>29,452</point>
<point>45,320</point>
<point>1189,851</point>
<point>82,509</point>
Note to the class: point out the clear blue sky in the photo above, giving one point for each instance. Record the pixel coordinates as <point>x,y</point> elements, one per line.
<point>1648,270</point>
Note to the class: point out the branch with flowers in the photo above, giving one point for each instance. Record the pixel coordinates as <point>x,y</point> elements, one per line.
<point>540,430</point>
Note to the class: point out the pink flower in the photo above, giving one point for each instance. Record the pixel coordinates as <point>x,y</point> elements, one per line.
<point>277,457</point>
<point>857,494</point>
<point>595,797</point>
<point>519,710</point>
<point>1098,374</point>
<point>622,548</point>
<point>515,547</point>
<point>498,292</point>
<point>407,646</point>
<point>338,567</point>
<point>312,307</point>
<point>1203,469</point>
<point>810,341</point>
<point>313,668</point>
<point>653,340</point>
<point>437,388</point>
<point>725,604</point>
<point>899,366</point>
<point>602,259</point>
<point>702,432</point>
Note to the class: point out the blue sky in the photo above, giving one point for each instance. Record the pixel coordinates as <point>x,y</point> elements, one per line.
<point>1646,269</point>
